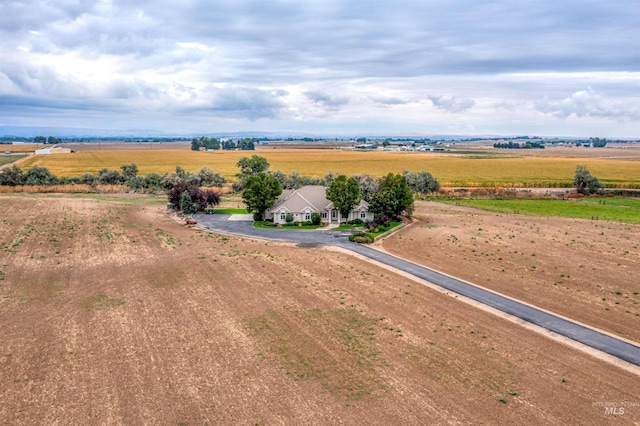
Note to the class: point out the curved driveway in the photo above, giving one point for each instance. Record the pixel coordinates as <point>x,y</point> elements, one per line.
<point>577,332</point>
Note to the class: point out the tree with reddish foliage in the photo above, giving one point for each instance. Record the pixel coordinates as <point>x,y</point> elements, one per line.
<point>202,198</point>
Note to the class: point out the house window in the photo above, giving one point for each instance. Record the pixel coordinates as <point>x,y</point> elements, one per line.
<point>282,216</point>
<point>333,214</point>
<point>307,216</point>
<point>324,215</point>
<point>363,214</point>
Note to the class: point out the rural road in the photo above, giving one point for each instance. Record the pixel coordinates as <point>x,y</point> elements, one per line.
<point>603,342</point>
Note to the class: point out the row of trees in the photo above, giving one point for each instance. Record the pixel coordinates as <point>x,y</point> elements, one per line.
<point>127,175</point>
<point>516,145</point>
<point>247,144</point>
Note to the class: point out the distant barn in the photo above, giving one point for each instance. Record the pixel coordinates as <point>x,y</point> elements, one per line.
<point>55,150</point>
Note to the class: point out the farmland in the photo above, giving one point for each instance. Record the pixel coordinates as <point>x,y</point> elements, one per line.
<point>493,169</point>
<point>587,270</point>
<point>112,310</point>
<point>7,159</point>
<point>613,209</point>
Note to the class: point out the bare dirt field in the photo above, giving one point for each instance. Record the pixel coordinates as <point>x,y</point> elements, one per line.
<point>586,270</point>
<point>112,312</point>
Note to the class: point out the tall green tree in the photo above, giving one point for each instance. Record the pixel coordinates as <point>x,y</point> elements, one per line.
<point>260,192</point>
<point>186,204</point>
<point>393,198</point>
<point>345,194</point>
<point>252,166</point>
<point>195,144</point>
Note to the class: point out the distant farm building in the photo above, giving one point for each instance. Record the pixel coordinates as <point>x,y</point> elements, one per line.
<point>55,150</point>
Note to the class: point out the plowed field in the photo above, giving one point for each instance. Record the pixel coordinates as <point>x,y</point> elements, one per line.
<point>112,312</point>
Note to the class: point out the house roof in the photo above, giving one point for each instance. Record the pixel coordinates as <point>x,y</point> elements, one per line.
<point>311,196</point>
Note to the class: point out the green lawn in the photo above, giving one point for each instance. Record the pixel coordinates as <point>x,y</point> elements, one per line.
<point>231,211</point>
<point>614,209</point>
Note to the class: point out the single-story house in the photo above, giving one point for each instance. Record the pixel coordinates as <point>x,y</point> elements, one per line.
<point>301,203</point>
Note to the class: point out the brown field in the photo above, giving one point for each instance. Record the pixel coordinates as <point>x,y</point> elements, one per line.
<point>585,270</point>
<point>112,312</point>
<point>545,168</point>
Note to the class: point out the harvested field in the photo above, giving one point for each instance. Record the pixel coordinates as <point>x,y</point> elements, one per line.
<point>497,169</point>
<point>114,313</point>
<point>585,270</point>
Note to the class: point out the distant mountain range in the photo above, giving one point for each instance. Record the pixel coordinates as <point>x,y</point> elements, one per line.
<point>70,132</point>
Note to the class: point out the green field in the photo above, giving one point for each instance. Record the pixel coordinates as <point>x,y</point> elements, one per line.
<point>614,209</point>
<point>8,159</point>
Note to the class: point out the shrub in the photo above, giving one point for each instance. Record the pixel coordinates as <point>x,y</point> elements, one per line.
<point>361,238</point>
<point>40,176</point>
<point>257,217</point>
<point>110,177</point>
<point>12,176</point>
<point>382,220</point>
<point>316,218</point>
<point>356,222</point>
<point>89,179</point>
<point>288,218</point>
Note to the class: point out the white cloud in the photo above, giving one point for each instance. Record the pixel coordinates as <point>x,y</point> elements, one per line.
<point>589,103</point>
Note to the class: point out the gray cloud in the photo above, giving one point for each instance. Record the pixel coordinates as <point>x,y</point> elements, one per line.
<point>241,102</point>
<point>452,104</point>
<point>217,55</point>
<point>326,100</point>
<point>388,100</point>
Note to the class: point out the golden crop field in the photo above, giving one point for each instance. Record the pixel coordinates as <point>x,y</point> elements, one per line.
<point>21,148</point>
<point>449,169</point>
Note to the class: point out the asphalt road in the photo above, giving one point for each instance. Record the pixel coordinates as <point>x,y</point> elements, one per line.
<point>308,238</point>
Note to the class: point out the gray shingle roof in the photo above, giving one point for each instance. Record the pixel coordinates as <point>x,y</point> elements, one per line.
<point>312,196</point>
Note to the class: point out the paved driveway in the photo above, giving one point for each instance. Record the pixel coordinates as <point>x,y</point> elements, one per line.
<point>577,332</point>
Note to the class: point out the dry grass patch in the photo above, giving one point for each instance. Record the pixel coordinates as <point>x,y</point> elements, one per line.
<point>101,301</point>
<point>337,348</point>
<point>467,364</point>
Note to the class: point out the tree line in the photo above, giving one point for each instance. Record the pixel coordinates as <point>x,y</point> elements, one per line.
<point>516,145</point>
<point>214,144</point>
<point>127,175</point>
<point>391,195</point>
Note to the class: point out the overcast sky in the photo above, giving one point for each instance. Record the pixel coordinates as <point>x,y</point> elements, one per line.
<point>559,67</point>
